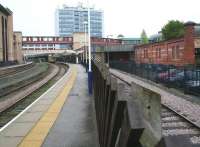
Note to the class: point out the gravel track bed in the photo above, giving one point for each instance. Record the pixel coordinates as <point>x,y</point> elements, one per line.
<point>24,75</point>
<point>11,70</point>
<point>182,106</point>
<point>173,124</point>
<point>176,125</point>
<point>19,100</point>
<point>16,96</point>
<point>15,82</point>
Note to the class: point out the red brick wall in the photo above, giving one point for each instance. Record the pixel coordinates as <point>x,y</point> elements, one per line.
<point>189,55</point>
<point>175,52</point>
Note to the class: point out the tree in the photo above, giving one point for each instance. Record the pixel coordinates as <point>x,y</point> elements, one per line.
<point>173,29</point>
<point>144,37</point>
<point>120,36</point>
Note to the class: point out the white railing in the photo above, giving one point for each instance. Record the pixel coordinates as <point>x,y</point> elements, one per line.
<point>45,51</point>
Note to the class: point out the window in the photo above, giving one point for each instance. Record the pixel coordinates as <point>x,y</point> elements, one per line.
<point>24,39</point>
<point>175,52</point>
<point>158,53</point>
<point>34,39</point>
<point>145,53</point>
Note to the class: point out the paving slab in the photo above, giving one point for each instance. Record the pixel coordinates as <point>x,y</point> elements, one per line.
<point>38,108</point>
<point>74,127</point>
<point>15,132</point>
<point>18,129</point>
<point>76,123</point>
<point>30,117</point>
<point>10,141</point>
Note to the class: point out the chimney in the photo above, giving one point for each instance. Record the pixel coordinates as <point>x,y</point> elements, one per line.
<point>189,48</point>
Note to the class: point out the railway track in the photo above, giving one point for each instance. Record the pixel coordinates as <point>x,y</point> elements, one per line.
<point>8,71</point>
<point>174,123</point>
<point>30,93</point>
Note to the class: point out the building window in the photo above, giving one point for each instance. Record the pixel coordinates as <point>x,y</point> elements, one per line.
<point>175,52</point>
<point>145,53</point>
<point>158,53</point>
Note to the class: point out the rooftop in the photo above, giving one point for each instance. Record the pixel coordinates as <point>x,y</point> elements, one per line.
<point>131,38</point>
<point>5,10</point>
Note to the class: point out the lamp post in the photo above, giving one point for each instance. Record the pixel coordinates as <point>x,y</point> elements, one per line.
<point>85,40</point>
<point>89,54</point>
<point>89,39</point>
<point>108,58</point>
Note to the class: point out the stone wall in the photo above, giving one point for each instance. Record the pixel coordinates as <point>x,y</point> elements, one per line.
<point>17,47</point>
<point>6,35</point>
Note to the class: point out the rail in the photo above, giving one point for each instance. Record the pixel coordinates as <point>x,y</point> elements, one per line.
<point>13,82</point>
<point>5,71</point>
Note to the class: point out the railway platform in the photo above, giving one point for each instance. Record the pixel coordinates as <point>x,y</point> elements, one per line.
<point>63,116</point>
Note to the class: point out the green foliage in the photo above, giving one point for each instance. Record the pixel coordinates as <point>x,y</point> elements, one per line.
<point>144,37</point>
<point>173,29</point>
<point>120,36</point>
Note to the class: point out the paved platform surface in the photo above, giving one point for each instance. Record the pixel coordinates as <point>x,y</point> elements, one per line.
<point>74,127</point>
<point>76,124</point>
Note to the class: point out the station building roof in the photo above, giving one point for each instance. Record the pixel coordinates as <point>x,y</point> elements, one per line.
<point>5,11</point>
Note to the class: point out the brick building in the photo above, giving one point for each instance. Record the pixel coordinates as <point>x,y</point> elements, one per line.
<point>181,51</point>
<point>8,53</point>
<point>6,34</point>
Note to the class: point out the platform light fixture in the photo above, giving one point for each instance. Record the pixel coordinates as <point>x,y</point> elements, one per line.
<point>89,53</point>
<point>108,57</point>
<point>85,40</point>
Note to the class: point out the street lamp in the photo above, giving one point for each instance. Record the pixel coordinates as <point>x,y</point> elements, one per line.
<point>85,40</point>
<point>89,52</point>
<point>108,58</point>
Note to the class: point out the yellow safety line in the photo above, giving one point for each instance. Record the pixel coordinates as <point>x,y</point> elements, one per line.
<point>38,133</point>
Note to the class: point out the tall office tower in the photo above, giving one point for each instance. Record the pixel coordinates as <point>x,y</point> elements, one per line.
<point>73,19</point>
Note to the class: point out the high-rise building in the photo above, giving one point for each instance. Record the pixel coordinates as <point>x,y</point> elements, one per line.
<point>70,20</point>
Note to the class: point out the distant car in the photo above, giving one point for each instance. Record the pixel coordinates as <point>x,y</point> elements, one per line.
<point>171,75</point>
<point>166,74</point>
<point>193,83</point>
<point>192,78</point>
<point>192,74</point>
<point>178,76</point>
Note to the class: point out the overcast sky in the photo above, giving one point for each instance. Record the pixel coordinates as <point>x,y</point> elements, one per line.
<point>127,17</point>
